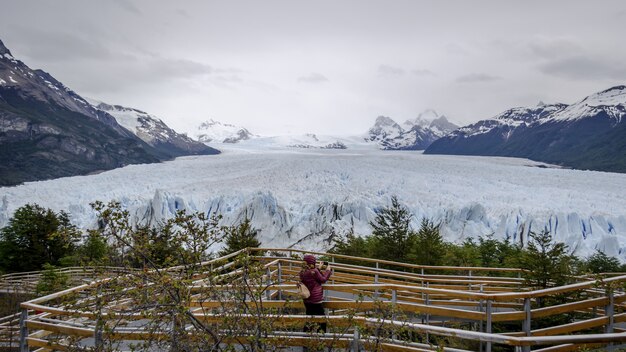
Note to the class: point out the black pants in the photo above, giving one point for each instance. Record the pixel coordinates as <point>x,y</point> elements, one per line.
<point>314,309</point>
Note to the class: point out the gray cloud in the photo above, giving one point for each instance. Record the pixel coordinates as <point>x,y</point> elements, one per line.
<point>183,13</point>
<point>313,78</point>
<point>212,56</point>
<point>423,73</point>
<point>390,70</point>
<point>60,46</point>
<point>178,68</point>
<point>229,79</point>
<point>553,48</point>
<point>126,5</point>
<point>456,49</point>
<point>477,78</point>
<point>584,68</point>
<point>130,74</point>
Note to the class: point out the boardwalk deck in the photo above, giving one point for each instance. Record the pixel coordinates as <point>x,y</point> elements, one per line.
<point>461,305</point>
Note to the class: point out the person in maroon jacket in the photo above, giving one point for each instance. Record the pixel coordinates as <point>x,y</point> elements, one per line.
<point>313,279</point>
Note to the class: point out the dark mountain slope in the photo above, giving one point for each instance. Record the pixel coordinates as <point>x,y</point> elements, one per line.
<point>590,134</point>
<point>49,131</point>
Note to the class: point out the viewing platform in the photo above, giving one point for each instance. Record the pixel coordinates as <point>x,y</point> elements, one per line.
<point>370,305</point>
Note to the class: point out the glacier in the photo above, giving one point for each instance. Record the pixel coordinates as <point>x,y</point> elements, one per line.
<point>302,198</point>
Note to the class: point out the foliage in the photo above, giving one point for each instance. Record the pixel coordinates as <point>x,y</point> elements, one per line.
<point>95,249</point>
<point>547,262</point>
<point>391,232</point>
<point>429,247</point>
<point>355,246</point>
<point>52,280</point>
<point>496,253</point>
<point>35,236</point>
<point>393,239</point>
<point>465,254</point>
<point>208,317</point>
<point>599,262</point>
<point>239,237</point>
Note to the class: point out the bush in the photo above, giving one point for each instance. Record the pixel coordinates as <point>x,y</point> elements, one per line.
<point>36,236</point>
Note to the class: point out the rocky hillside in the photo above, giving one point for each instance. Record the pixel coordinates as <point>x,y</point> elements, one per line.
<point>415,134</point>
<point>49,131</point>
<point>589,134</point>
<point>153,130</point>
<point>212,131</point>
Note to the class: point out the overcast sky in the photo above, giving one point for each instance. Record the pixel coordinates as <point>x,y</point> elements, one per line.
<point>290,66</point>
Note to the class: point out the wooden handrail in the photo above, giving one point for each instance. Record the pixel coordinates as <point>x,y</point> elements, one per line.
<point>454,297</point>
<point>388,262</point>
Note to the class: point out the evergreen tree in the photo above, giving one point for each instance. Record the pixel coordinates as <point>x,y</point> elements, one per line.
<point>429,247</point>
<point>239,237</point>
<point>465,254</point>
<point>51,280</point>
<point>497,253</point>
<point>547,262</point>
<point>352,245</point>
<point>391,233</point>
<point>94,249</point>
<point>35,236</point>
<point>156,245</point>
<point>599,262</point>
<point>355,246</point>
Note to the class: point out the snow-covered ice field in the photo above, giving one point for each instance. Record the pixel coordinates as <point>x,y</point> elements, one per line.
<point>299,196</point>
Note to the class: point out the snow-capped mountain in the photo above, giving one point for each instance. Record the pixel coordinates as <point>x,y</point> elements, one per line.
<point>304,197</point>
<point>510,120</point>
<point>216,132</point>
<point>153,130</point>
<point>610,102</point>
<point>47,130</point>
<point>415,134</point>
<point>17,79</point>
<point>588,134</point>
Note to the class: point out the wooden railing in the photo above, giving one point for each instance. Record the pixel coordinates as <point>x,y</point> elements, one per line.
<point>463,304</point>
<point>26,282</point>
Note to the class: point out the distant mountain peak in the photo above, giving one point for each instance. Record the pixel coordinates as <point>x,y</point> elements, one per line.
<point>415,134</point>
<point>612,96</point>
<point>426,119</point>
<point>443,124</point>
<point>621,88</point>
<point>428,115</point>
<point>384,121</point>
<point>213,131</point>
<point>582,135</point>
<point>4,50</point>
<point>152,130</point>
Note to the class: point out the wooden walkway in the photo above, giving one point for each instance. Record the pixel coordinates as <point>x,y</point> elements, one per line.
<point>26,282</point>
<point>464,306</point>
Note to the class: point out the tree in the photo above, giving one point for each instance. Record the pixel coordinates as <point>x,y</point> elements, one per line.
<point>239,237</point>
<point>51,280</point>
<point>193,306</point>
<point>35,236</point>
<point>497,253</point>
<point>392,233</point>
<point>429,247</point>
<point>599,262</point>
<point>95,249</point>
<point>353,245</point>
<point>465,254</point>
<point>547,262</point>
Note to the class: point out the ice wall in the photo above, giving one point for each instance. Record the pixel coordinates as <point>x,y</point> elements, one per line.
<point>304,198</point>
